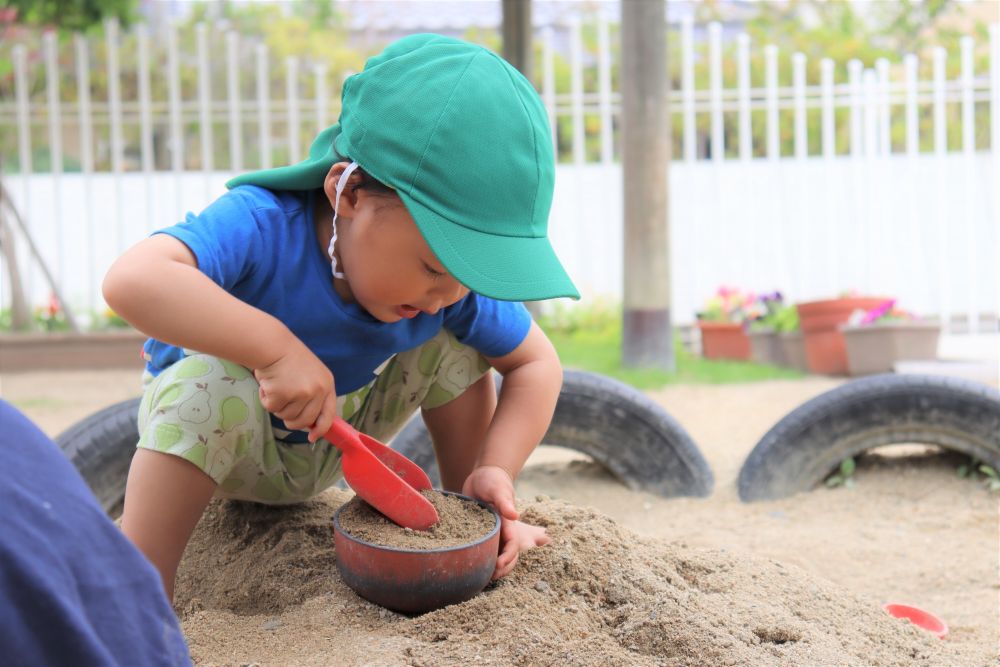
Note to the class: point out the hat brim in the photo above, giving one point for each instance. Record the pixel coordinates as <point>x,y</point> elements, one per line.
<point>508,268</point>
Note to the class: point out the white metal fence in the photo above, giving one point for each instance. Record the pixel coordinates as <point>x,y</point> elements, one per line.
<point>880,199</point>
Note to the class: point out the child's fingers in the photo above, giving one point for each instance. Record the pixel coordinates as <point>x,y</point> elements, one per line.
<point>326,416</point>
<point>506,560</point>
<point>505,505</point>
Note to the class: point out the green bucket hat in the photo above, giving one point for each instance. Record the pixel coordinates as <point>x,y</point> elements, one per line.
<point>464,140</point>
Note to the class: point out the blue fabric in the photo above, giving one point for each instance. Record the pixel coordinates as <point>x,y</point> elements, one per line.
<point>260,246</point>
<point>73,589</point>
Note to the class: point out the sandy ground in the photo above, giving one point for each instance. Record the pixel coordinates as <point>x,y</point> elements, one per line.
<point>910,530</point>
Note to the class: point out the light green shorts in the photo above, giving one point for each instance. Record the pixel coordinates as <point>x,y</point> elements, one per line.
<point>207,410</point>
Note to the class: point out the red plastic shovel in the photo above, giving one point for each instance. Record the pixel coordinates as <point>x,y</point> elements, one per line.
<point>384,478</point>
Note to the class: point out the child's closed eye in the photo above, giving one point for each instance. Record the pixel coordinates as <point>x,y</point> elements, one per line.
<point>431,271</point>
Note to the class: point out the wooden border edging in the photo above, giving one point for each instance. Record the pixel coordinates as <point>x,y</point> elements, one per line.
<point>68,351</point>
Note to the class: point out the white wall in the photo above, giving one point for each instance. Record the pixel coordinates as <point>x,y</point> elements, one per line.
<point>923,229</point>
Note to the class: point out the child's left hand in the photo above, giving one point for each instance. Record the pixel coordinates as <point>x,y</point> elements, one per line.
<point>494,485</point>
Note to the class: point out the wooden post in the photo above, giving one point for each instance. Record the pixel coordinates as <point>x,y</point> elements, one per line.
<point>516,33</point>
<point>647,336</point>
<point>517,50</point>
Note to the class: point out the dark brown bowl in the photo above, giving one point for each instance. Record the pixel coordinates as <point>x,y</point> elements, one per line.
<point>414,581</point>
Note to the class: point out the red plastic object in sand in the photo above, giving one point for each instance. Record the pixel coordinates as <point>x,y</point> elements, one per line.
<point>384,478</point>
<point>919,617</point>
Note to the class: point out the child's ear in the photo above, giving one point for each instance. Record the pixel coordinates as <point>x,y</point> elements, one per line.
<point>348,197</point>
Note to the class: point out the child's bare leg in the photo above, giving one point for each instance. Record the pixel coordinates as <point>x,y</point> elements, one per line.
<point>164,499</point>
<point>458,429</point>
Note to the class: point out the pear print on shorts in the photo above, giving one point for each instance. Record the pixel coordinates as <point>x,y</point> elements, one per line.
<point>456,377</point>
<point>196,409</point>
<point>233,412</point>
<point>192,367</point>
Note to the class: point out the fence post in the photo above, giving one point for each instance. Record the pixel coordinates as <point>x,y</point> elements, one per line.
<point>773,131</point>
<point>743,84</point>
<point>604,91</point>
<point>687,84</point>
<point>263,107</point>
<point>940,119</point>
<point>322,107</point>
<point>718,147</point>
<point>145,122</point>
<point>115,108</point>
<point>292,97</point>
<point>854,68</point>
<point>233,94</point>
<point>55,150</point>
<point>799,93</point>
<point>86,159</point>
<point>549,87</point>
<point>828,118</point>
<point>576,91</point>
<point>910,63</point>
<point>968,156</point>
<point>884,128</point>
<point>205,107</point>
<point>940,151</point>
<point>174,95</point>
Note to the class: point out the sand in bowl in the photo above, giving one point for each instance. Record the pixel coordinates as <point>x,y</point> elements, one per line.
<point>460,522</point>
<point>259,585</point>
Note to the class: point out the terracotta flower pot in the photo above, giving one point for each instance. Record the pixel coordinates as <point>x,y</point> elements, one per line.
<point>724,340</point>
<point>820,322</point>
<point>876,348</point>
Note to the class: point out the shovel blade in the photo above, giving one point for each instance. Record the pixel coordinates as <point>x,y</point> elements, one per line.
<point>409,471</point>
<point>379,484</point>
<point>381,488</point>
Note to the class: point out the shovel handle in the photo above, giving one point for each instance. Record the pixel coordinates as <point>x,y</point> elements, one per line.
<point>342,435</point>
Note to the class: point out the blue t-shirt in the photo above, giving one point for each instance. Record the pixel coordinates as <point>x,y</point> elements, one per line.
<point>73,589</point>
<point>261,247</point>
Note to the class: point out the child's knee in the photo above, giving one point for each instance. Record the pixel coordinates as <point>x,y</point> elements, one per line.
<point>202,409</point>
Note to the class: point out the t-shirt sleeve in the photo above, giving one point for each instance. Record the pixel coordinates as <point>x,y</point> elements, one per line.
<point>492,327</point>
<point>227,238</point>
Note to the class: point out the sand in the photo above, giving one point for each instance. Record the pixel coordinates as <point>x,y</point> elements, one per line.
<point>599,595</point>
<point>460,522</point>
<point>637,580</point>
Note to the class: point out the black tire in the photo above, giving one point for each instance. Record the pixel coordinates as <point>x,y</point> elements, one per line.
<point>617,426</point>
<point>811,441</point>
<point>101,447</point>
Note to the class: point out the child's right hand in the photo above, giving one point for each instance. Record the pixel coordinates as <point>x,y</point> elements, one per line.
<point>299,389</point>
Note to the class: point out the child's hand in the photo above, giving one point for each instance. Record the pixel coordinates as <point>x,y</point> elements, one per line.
<point>494,485</point>
<point>298,388</point>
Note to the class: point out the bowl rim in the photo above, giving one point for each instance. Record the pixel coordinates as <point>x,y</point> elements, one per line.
<point>338,528</point>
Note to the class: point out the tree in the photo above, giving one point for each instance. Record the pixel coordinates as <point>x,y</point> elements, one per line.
<point>70,14</point>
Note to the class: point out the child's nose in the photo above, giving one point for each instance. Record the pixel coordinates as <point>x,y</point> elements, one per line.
<point>446,294</point>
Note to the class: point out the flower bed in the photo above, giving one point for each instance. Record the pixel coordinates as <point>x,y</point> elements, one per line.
<point>69,351</point>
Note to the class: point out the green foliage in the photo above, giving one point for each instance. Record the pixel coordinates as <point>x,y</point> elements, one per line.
<point>844,475</point>
<point>591,339</point>
<point>47,319</point>
<point>976,470</point>
<point>71,15</point>
<point>786,319</point>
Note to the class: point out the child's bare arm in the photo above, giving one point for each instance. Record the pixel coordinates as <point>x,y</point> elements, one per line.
<point>157,287</point>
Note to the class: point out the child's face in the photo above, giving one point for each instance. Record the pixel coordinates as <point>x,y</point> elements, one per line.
<point>390,270</point>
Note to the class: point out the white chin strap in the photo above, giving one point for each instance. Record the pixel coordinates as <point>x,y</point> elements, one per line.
<point>336,208</point>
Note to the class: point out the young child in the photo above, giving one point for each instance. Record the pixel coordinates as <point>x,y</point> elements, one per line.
<point>438,181</point>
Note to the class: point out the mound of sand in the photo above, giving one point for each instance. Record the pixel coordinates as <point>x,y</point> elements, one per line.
<point>259,585</point>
